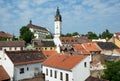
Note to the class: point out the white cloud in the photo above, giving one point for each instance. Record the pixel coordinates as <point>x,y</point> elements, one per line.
<point>83,14</point>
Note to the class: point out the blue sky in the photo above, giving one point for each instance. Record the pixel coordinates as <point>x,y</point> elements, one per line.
<point>77,15</point>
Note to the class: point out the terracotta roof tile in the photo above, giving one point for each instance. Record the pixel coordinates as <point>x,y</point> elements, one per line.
<point>64,61</point>
<point>26,57</point>
<point>3,74</point>
<point>91,46</point>
<point>80,49</point>
<point>3,34</point>
<point>49,53</point>
<point>12,43</point>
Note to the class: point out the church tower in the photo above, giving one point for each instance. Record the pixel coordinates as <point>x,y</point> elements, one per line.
<point>58,23</point>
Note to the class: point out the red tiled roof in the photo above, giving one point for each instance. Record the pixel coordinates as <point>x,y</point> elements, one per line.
<point>91,46</point>
<point>49,53</point>
<point>3,34</point>
<point>80,49</point>
<point>36,27</point>
<point>64,61</point>
<point>3,74</point>
<point>25,57</point>
<point>12,43</point>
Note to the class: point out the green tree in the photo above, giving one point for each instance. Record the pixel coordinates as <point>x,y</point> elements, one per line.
<point>62,35</point>
<point>68,35</point>
<point>112,72</point>
<point>3,38</point>
<point>75,33</point>
<point>106,34</point>
<point>26,34</point>
<point>92,35</point>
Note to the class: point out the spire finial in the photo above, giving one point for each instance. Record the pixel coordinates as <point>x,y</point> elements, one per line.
<point>30,21</point>
<point>57,12</point>
<point>58,16</point>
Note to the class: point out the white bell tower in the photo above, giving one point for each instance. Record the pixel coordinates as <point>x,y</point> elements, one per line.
<point>58,23</point>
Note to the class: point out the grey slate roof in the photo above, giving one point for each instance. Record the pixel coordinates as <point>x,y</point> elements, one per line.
<point>12,43</point>
<point>25,57</point>
<point>43,43</point>
<point>107,45</point>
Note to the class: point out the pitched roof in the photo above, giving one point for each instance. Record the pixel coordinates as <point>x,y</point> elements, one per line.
<point>3,34</point>
<point>49,53</point>
<point>91,46</point>
<point>64,61</point>
<point>25,57</point>
<point>80,49</point>
<point>90,78</point>
<point>107,45</point>
<point>74,40</point>
<point>3,74</point>
<point>43,43</point>
<point>36,27</point>
<point>12,43</point>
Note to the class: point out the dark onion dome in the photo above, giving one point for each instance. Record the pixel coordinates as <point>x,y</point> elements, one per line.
<point>58,16</point>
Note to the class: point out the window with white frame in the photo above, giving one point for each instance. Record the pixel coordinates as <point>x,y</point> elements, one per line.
<point>50,73</point>
<point>46,71</point>
<point>55,74</point>
<point>61,76</point>
<point>67,77</point>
